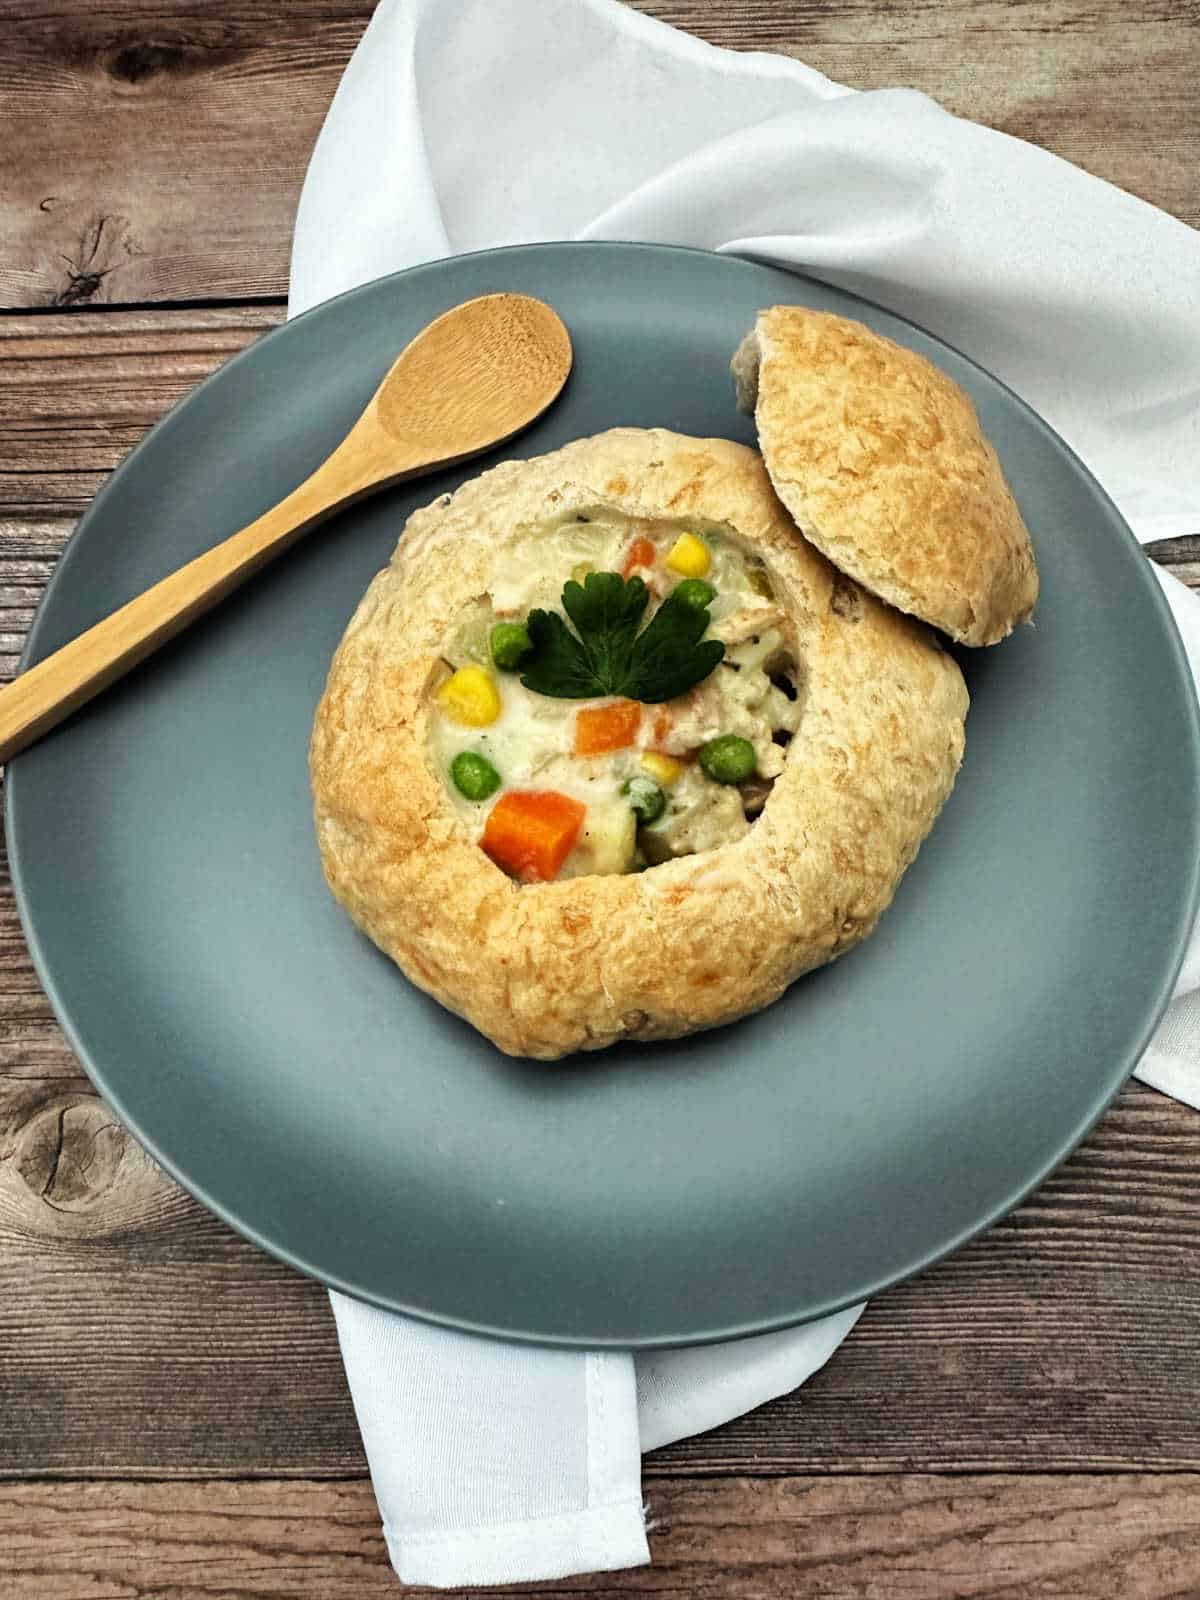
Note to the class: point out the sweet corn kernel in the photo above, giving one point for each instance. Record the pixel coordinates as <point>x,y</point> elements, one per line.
<point>665,770</point>
<point>470,697</point>
<point>689,556</point>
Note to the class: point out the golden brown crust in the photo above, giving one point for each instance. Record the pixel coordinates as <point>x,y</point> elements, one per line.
<point>879,457</point>
<point>547,969</point>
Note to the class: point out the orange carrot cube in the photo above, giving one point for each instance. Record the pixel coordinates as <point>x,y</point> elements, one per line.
<point>599,729</point>
<point>531,832</point>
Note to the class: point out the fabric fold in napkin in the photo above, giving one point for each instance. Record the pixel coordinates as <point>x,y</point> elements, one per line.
<point>498,1463</point>
<point>461,124</point>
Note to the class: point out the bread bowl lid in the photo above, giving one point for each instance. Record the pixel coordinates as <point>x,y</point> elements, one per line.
<point>880,459</point>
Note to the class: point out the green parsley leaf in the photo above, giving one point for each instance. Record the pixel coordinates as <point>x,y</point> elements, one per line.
<point>607,655</point>
<point>671,653</point>
<point>606,611</point>
<point>558,664</point>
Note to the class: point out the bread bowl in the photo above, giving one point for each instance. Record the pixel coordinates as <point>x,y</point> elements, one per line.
<point>661,947</point>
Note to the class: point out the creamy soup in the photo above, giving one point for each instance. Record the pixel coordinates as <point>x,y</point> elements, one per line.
<point>562,787</point>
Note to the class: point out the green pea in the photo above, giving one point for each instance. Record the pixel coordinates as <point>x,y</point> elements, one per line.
<point>645,797</point>
<point>474,776</point>
<point>728,759</point>
<point>510,644</point>
<point>694,592</point>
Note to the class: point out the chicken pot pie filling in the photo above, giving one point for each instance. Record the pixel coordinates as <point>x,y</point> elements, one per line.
<point>625,695</point>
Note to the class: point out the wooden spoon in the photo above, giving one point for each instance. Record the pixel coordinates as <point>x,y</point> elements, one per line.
<point>474,377</point>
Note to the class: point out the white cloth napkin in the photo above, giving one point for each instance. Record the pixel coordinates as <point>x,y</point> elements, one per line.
<point>466,123</point>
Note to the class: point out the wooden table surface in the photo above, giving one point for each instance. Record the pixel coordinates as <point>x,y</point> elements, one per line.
<point>1023,1420</point>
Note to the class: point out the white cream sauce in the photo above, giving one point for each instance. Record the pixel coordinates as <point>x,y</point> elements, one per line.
<point>530,744</point>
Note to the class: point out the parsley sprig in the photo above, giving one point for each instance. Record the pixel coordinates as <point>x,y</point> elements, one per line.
<point>607,655</point>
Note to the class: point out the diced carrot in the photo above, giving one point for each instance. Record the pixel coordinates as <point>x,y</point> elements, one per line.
<point>531,832</point>
<point>641,554</point>
<point>602,728</point>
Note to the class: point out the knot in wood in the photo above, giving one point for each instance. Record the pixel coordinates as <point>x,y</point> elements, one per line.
<point>72,1171</point>
<point>134,63</point>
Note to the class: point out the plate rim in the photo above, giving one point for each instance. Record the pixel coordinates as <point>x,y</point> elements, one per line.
<point>1114,1080</point>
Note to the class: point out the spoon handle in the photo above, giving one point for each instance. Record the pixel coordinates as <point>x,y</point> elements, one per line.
<point>40,698</point>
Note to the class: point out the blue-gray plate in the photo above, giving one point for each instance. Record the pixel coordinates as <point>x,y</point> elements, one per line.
<point>888,1108</point>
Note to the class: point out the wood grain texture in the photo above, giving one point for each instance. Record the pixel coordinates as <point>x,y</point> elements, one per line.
<point>77,393</point>
<point>904,1538</point>
<point>154,149</point>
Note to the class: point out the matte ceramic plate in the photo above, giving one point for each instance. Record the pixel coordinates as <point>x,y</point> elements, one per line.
<point>888,1108</point>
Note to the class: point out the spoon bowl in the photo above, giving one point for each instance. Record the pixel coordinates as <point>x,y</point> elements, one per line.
<point>474,377</point>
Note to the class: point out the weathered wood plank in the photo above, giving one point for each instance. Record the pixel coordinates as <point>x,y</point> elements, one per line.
<point>29,551</point>
<point>140,1337</point>
<point>125,126</point>
<point>32,1049</point>
<point>125,129</point>
<point>77,393</point>
<point>1180,556</point>
<point>902,1538</point>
